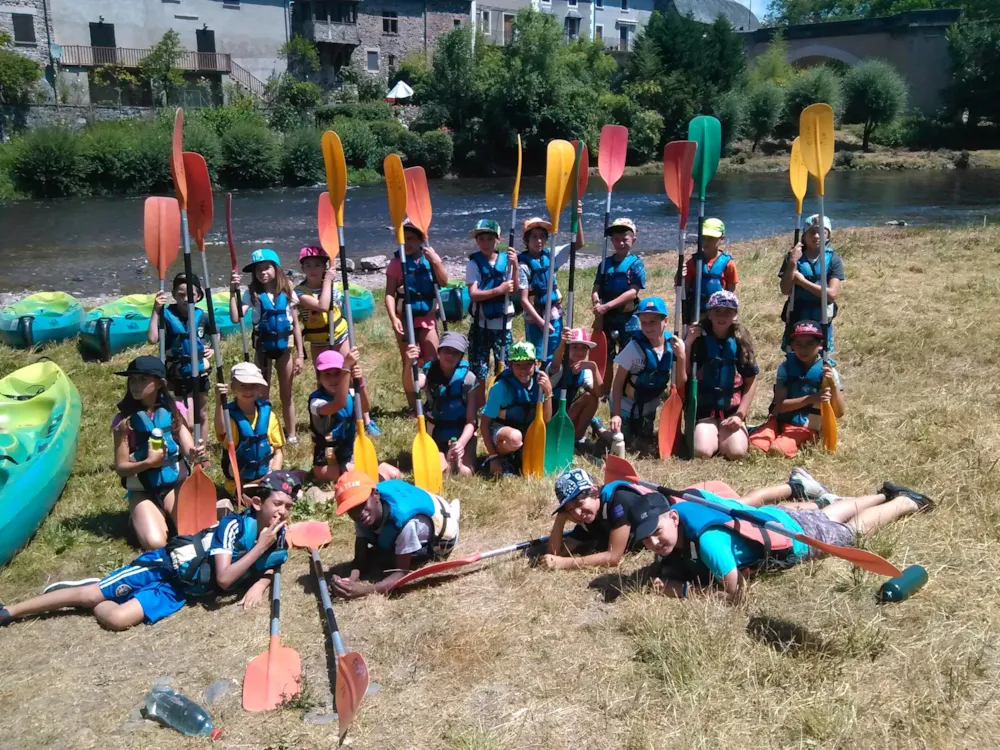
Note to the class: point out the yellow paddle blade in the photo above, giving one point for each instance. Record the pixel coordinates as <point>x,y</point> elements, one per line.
<point>194,509</point>
<point>272,678</point>
<point>816,136</point>
<point>798,175</point>
<point>426,460</point>
<point>365,458</point>
<point>336,172</point>
<point>533,451</point>
<point>489,383</point>
<point>395,185</point>
<point>560,158</point>
<point>517,179</point>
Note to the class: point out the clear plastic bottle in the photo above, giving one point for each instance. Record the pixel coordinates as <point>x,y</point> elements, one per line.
<point>179,712</point>
<point>156,439</point>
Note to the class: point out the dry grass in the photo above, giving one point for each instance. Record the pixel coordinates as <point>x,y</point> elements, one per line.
<point>512,657</point>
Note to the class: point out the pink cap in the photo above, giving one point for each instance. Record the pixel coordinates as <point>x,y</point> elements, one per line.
<point>580,336</point>
<point>312,251</point>
<point>329,360</point>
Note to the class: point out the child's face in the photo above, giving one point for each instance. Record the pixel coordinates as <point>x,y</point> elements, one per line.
<point>622,241</point>
<point>523,370</point>
<point>181,296</point>
<point>712,243</point>
<point>369,513</point>
<point>664,539</point>
<point>652,325</point>
<point>722,318</point>
<point>578,353</point>
<point>449,358</point>
<point>273,509</point>
<point>265,272</point>
<point>487,242</point>
<point>143,387</point>
<point>329,379</point>
<point>806,348</point>
<point>313,267</point>
<point>245,393</point>
<point>536,240</point>
<point>811,237</point>
<point>413,241</point>
<point>584,508</point>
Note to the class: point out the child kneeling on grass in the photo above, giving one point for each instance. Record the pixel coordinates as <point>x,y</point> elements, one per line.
<point>158,583</point>
<point>703,549</point>
<point>582,382</point>
<point>398,527</point>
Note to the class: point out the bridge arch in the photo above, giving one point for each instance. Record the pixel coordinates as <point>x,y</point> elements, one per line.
<point>822,51</point>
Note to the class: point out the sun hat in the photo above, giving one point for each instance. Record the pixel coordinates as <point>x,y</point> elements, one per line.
<point>455,340</point>
<point>713,228</point>
<point>580,336</point>
<point>537,222</point>
<point>724,298</point>
<point>807,328</point>
<point>620,225</point>
<point>329,360</point>
<point>522,351</point>
<point>813,221</point>
<point>247,373</point>
<point>145,365</point>
<point>653,305</point>
<point>571,485</point>
<point>646,512</point>
<point>485,225</point>
<point>353,489</point>
<point>263,255</point>
<point>312,251</point>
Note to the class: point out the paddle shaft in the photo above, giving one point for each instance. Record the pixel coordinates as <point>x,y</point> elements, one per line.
<point>604,251</point>
<point>513,548</point>
<point>192,328</point>
<point>163,327</point>
<point>506,297</point>
<point>698,262</point>
<point>236,295</point>
<point>418,406</point>
<point>679,288</point>
<point>324,595</point>
<point>350,320</point>
<point>275,620</point>
<point>798,232</point>
<point>824,313</point>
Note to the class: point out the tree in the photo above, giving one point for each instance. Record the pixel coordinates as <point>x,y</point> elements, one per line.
<point>300,56</point>
<point>764,106</point>
<point>975,61</point>
<point>773,65</point>
<point>874,94</point>
<point>784,12</point>
<point>812,85</point>
<point>18,74</point>
<point>159,68</point>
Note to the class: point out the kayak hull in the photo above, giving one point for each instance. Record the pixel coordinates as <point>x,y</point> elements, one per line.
<point>220,303</point>
<point>456,301</point>
<point>116,326</point>
<point>39,429</point>
<point>38,319</point>
<point>362,302</point>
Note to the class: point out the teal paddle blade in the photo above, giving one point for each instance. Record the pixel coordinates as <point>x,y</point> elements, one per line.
<point>690,416</point>
<point>560,439</point>
<point>706,131</point>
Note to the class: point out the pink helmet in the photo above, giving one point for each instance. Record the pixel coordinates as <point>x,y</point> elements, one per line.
<point>312,251</point>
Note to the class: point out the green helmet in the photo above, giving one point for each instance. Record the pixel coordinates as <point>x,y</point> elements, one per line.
<point>522,351</point>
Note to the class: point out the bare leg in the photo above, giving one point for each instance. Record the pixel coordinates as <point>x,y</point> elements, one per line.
<point>114,616</point>
<point>508,440</point>
<point>264,363</point>
<point>768,496</point>
<point>581,412</point>
<point>284,366</point>
<point>467,466</point>
<point>850,507</point>
<point>874,518</point>
<point>84,597</point>
<point>148,521</point>
<point>408,387</point>
<point>706,438</point>
<point>733,443</point>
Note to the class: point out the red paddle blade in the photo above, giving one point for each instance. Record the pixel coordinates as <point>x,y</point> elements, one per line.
<point>229,229</point>
<point>272,678</point>
<point>177,160</point>
<point>162,232</point>
<point>618,469</point>
<point>194,509</point>
<point>678,160</point>
<point>436,569</point>
<point>611,153</point>
<point>326,219</point>
<point>231,451</point>
<point>199,185</point>
<point>583,171</point>
<point>600,354</point>
<point>308,534</point>
<point>352,684</point>
<point>670,417</point>
<point>418,198</point>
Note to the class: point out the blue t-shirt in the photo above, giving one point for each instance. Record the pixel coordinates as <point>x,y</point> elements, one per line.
<point>722,550</point>
<point>228,538</point>
<point>499,398</point>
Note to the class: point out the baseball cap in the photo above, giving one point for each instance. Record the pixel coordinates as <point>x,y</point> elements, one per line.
<point>485,225</point>
<point>571,485</point>
<point>646,512</point>
<point>311,251</point>
<point>813,221</point>
<point>653,305</point>
<point>353,489</point>
<point>281,480</point>
<point>580,336</point>
<point>713,228</point>
<point>145,365</point>
<point>181,279</point>
<point>455,340</point>
<point>247,373</point>
<point>724,298</point>
<point>620,225</point>
<point>522,351</point>
<point>329,360</point>
<point>261,256</point>
<point>807,328</point>
<point>407,224</point>
<point>537,222</point>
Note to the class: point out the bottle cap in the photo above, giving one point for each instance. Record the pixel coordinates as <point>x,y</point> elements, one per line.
<point>216,733</point>
<point>157,432</point>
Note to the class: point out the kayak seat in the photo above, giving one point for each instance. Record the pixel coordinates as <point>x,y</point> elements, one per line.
<point>11,449</point>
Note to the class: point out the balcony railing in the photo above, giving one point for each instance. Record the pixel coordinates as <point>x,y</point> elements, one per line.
<point>91,57</point>
<point>332,32</point>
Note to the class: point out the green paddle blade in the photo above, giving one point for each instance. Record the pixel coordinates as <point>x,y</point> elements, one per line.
<point>559,441</point>
<point>690,416</point>
<point>706,131</point>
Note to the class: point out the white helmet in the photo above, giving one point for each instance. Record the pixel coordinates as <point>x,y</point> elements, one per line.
<point>813,221</point>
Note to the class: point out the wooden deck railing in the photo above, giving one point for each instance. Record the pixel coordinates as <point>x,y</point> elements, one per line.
<point>78,54</point>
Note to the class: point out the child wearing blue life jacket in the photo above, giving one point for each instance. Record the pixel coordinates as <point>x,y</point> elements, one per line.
<point>490,275</point>
<point>424,269</point>
<point>617,284</point>
<point>450,405</point>
<point>718,270</point>
<point>242,549</point>
<point>148,414</point>
<point>253,424</point>
<point>276,330</point>
<point>397,527</point>
<point>643,375</point>
<point>721,354</point>
<point>703,550</point>
<point>581,382</point>
<point>801,281</point>
<point>177,344</point>
<point>803,383</point>
<point>533,266</point>
<point>510,409</point>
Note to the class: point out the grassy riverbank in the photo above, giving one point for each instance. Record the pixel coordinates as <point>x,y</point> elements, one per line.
<point>512,657</point>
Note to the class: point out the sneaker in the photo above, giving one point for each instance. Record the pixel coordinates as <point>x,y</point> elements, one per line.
<point>826,499</point>
<point>804,487</point>
<point>60,585</point>
<point>5,617</point>
<point>293,440</point>
<point>596,426</point>
<point>373,429</point>
<point>618,444</point>
<point>892,491</point>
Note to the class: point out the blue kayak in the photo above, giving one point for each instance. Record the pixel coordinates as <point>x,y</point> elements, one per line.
<point>111,328</point>
<point>455,299</point>
<point>40,319</point>
<point>362,302</point>
<point>220,303</point>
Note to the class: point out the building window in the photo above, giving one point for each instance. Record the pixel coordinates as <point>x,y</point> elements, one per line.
<point>572,3</point>
<point>484,24</point>
<point>508,28</point>
<point>390,22</point>
<point>24,28</point>
<point>624,6</point>
<point>391,63</point>
<point>457,23</point>
<point>599,4</point>
<point>625,39</point>
<point>599,33</point>
<point>373,60</point>
<point>572,27</point>
<point>345,13</point>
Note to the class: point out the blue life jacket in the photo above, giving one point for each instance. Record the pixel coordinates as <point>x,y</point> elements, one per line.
<point>191,561</point>
<point>538,279</point>
<point>801,381</point>
<point>421,284</point>
<point>615,280</point>
<point>274,327</point>
<point>711,278</point>
<point>490,277</point>
<point>253,449</point>
<point>571,382</point>
<point>445,405</point>
<point>521,411</point>
<point>717,379</point>
<point>401,502</point>
<point>655,377</point>
<point>165,476</point>
<point>178,346</point>
<point>344,425</point>
<point>807,305</point>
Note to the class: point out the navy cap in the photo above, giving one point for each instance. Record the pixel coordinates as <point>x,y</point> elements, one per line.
<point>571,485</point>
<point>646,512</point>
<point>281,480</point>
<point>145,365</point>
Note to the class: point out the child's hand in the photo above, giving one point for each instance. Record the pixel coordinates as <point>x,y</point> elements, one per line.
<point>357,373</point>
<point>584,364</point>
<point>352,358</point>
<point>566,336</point>
<point>694,331</point>
<point>552,562</point>
<point>827,373</point>
<point>348,587</point>
<point>616,424</point>
<point>825,395</point>
<point>155,458</point>
<point>222,389</point>
<point>235,280</point>
<point>159,301</point>
<point>677,345</point>
<point>795,254</point>
<point>299,365</point>
<point>496,467</point>
<point>734,422</point>
<point>511,258</point>
<point>413,352</point>
<point>253,596</point>
<point>269,536</point>
<point>579,208</point>
<point>431,255</point>
<point>456,452</point>
<point>329,275</point>
<point>658,586</point>
<point>506,287</point>
<point>397,325</point>
<point>198,451</point>
<point>601,309</point>
<point>544,384</point>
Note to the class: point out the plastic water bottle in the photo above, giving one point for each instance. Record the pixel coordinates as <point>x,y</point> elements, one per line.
<point>903,586</point>
<point>156,439</point>
<point>178,712</point>
<point>452,463</point>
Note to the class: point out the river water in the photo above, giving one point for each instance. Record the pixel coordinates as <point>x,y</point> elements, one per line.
<point>92,247</point>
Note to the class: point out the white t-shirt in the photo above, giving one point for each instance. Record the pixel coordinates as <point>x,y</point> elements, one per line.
<point>556,374</point>
<point>472,276</point>
<point>633,359</point>
<point>293,303</point>
<point>524,275</point>
<point>413,537</point>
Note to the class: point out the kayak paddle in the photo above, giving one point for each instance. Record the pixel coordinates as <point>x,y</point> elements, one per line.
<point>611,153</point>
<point>194,508</point>
<point>816,134</point>
<point>678,161</point>
<point>498,364</point>
<point>426,459</point>
<point>558,168</point>
<point>798,176</point>
<point>236,295</point>
<point>419,211</point>
<point>162,237</point>
<point>275,676</point>
<point>352,671</point>
<point>365,458</point>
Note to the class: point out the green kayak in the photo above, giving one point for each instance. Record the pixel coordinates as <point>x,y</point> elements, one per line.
<point>39,319</point>
<point>111,328</point>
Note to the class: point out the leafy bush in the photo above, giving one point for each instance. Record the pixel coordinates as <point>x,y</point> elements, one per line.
<point>249,157</point>
<point>812,85</point>
<point>361,147</point>
<point>415,69</point>
<point>974,49</point>
<point>438,153</point>
<point>764,106</point>
<point>431,117</point>
<point>221,119</point>
<point>366,111</point>
<point>730,109</point>
<point>644,136</point>
<point>302,157</point>
<point>388,133</point>
<point>411,147</point>
<point>874,94</point>
<point>49,163</point>
<point>292,102</point>
<point>113,161</point>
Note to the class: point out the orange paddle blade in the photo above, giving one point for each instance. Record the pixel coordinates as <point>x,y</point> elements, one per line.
<point>828,427</point>
<point>200,208</point>
<point>436,569</point>
<point>395,185</point>
<point>328,237</point>
<point>678,161</point>
<point>670,418</point>
<point>418,198</point>
<point>194,509</point>
<point>162,232</point>
<point>582,172</point>
<point>611,156</point>
<point>177,160</point>
<point>533,452</point>
<point>365,457</point>
<point>336,173</point>
<point>618,469</point>
<point>600,353</point>
<point>272,678</point>
<point>308,534</point>
<point>352,685</point>
<point>231,451</point>
<point>426,460</point>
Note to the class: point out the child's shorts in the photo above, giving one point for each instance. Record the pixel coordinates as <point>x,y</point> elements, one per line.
<point>534,334</point>
<point>181,387</point>
<point>482,341</point>
<point>343,452</point>
<point>150,580</point>
<point>819,525</point>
